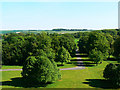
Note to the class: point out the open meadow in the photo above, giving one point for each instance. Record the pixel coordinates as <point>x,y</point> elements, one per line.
<point>90,77</point>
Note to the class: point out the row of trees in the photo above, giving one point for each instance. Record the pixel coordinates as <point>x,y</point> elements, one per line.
<point>17,47</point>
<point>99,45</point>
<point>96,45</point>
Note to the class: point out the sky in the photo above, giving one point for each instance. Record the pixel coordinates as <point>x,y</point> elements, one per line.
<point>51,15</point>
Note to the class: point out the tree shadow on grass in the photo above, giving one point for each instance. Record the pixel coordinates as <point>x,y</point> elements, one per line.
<point>20,82</point>
<point>81,55</point>
<point>111,59</point>
<point>100,83</point>
<point>87,64</point>
<point>81,60</point>
<point>58,65</point>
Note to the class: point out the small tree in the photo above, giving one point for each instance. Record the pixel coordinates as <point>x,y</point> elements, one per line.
<point>109,71</point>
<point>117,77</point>
<point>96,56</point>
<point>63,55</point>
<point>112,72</point>
<point>117,48</point>
<point>40,70</point>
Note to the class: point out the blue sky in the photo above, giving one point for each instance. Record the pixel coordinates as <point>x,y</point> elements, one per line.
<point>50,15</point>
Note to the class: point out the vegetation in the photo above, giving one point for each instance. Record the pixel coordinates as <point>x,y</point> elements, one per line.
<point>112,72</point>
<point>17,47</point>
<point>41,54</point>
<point>40,70</point>
<point>117,48</point>
<point>91,77</point>
<point>63,55</point>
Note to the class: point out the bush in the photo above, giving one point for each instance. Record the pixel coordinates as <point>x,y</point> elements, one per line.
<point>109,71</point>
<point>63,55</point>
<point>112,72</point>
<point>40,70</point>
<point>117,76</point>
<point>96,56</point>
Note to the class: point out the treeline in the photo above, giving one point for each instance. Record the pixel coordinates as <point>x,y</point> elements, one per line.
<point>99,45</point>
<point>113,32</point>
<point>70,30</point>
<point>16,48</point>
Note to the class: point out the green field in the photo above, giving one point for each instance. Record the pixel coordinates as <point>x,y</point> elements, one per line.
<point>11,67</point>
<point>49,31</point>
<point>91,77</point>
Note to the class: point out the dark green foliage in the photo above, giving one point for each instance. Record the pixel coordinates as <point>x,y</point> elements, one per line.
<point>63,55</point>
<point>110,41</point>
<point>96,56</point>
<point>112,72</point>
<point>117,76</point>
<point>40,70</point>
<point>83,44</point>
<point>17,47</point>
<point>67,41</point>
<point>117,47</point>
<point>109,71</point>
<point>99,41</point>
<point>112,32</point>
<point>13,52</point>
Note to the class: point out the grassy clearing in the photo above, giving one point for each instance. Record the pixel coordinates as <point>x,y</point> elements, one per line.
<point>11,67</point>
<point>91,77</point>
<point>67,65</point>
<point>70,78</point>
<point>76,40</point>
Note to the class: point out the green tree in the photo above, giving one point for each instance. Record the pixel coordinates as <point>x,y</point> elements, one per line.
<point>98,41</point>
<point>112,72</point>
<point>111,41</point>
<point>40,70</point>
<point>117,48</point>
<point>63,55</point>
<point>83,44</point>
<point>109,71</point>
<point>96,56</point>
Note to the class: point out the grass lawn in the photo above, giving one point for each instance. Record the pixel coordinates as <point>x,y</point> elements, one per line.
<point>66,65</point>
<point>11,67</point>
<point>90,77</point>
<point>76,40</point>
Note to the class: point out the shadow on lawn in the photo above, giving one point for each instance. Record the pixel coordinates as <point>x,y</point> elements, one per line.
<point>111,59</point>
<point>81,60</point>
<point>72,62</point>
<point>100,83</point>
<point>20,82</point>
<point>81,55</point>
<point>87,64</point>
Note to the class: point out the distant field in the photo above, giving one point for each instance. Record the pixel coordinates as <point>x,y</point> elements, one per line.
<point>49,31</point>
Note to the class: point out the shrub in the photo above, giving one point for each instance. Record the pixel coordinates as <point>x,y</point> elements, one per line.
<point>96,56</point>
<point>110,71</point>
<point>40,70</point>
